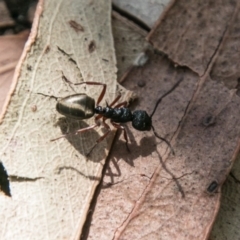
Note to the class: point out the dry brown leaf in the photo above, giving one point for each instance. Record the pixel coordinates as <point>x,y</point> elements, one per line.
<point>10,51</point>
<point>166,197</point>
<point>219,40</point>
<point>52,183</point>
<point>190,32</point>
<point>128,176</point>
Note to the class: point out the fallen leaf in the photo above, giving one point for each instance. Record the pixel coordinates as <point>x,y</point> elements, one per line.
<point>150,194</point>
<point>190,32</point>
<point>165,196</point>
<point>52,183</point>
<point>225,67</point>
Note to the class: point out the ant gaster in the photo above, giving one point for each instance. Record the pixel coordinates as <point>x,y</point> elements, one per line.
<point>81,106</point>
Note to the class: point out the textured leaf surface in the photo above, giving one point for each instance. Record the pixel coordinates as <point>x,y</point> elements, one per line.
<point>205,38</point>
<point>129,41</point>
<point>190,32</point>
<point>147,194</point>
<point>153,195</point>
<point>52,183</point>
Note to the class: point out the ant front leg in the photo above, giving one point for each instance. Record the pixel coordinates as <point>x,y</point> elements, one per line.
<point>118,126</point>
<point>115,100</point>
<point>121,104</point>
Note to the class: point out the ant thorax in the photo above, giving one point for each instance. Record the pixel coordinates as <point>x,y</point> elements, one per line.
<point>118,115</point>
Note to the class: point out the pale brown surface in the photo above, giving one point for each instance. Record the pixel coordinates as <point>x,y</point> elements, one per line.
<point>195,48</point>
<point>129,41</point>
<point>55,181</point>
<point>226,67</point>
<point>139,198</point>
<point>190,32</point>
<point>149,194</point>
<point>144,200</point>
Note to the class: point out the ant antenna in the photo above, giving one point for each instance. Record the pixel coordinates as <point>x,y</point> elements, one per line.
<point>154,110</point>
<point>164,95</point>
<point>50,96</point>
<point>163,139</point>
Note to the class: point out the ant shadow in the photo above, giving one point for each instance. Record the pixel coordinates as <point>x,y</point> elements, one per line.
<point>80,141</point>
<point>119,151</point>
<point>146,146</point>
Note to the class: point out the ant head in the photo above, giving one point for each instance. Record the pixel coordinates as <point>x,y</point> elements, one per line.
<point>141,121</point>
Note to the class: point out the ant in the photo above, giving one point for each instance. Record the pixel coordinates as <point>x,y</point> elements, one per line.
<point>81,106</point>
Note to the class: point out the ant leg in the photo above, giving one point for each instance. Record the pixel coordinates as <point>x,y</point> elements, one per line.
<point>77,132</point>
<point>101,138</point>
<point>163,139</point>
<point>119,104</point>
<point>118,126</point>
<point>115,100</point>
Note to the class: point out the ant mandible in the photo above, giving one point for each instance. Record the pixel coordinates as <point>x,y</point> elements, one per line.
<point>81,106</point>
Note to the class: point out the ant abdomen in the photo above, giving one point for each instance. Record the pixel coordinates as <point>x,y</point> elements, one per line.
<point>77,106</point>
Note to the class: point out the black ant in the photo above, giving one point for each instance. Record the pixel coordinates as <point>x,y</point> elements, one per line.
<point>81,106</point>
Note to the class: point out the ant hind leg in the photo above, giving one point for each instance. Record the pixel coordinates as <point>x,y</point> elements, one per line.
<point>118,126</point>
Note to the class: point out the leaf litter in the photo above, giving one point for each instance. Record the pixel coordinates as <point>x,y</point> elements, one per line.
<point>151,194</point>
<point>58,199</point>
<point>165,195</point>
